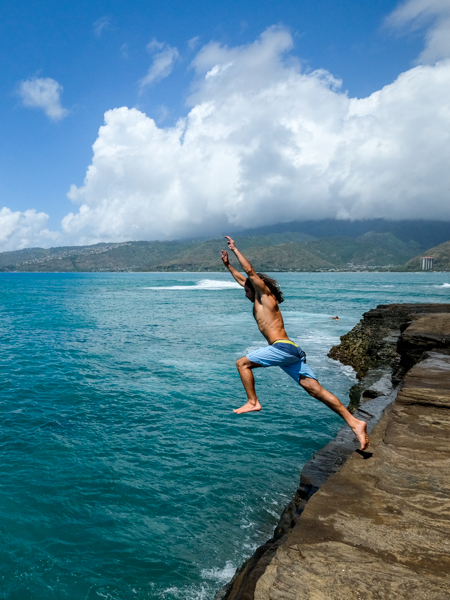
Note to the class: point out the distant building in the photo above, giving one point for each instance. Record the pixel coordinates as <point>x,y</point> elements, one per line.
<point>426,263</point>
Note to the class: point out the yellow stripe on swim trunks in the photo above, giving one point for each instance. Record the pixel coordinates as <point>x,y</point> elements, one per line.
<point>284,342</point>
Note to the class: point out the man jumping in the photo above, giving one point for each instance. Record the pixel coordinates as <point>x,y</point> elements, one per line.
<point>266,295</point>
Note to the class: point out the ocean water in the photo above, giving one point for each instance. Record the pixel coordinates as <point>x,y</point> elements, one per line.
<point>124,472</point>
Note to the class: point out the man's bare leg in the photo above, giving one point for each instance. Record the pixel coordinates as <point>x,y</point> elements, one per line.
<point>315,390</point>
<point>245,367</point>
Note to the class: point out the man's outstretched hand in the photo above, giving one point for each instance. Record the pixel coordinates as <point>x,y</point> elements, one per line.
<point>230,242</point>
<point>224,257</point>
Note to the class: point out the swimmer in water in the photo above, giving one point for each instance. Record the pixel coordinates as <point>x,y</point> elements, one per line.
<point>265,295</point>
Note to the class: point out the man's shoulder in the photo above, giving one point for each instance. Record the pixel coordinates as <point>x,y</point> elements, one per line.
<point>268,299</point>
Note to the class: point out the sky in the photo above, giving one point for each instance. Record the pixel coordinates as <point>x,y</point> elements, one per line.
<point>148,120</point>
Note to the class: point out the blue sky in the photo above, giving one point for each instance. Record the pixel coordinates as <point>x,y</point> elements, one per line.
<point>97,54</point>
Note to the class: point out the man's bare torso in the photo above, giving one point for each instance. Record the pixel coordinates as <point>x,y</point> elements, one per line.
<point>268,318</point>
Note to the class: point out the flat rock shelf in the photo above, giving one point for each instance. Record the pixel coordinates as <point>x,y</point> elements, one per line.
<point>372,525</point>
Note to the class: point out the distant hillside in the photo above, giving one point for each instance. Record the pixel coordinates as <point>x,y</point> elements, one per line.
<point>288,251</point>
<point>99,257</point>
<point>371,249</point>
<point>424,233</point>
<point>293,256</point>
<point>441,255</point>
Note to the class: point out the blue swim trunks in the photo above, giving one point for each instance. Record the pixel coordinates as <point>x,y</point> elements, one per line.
<point>286,355</point>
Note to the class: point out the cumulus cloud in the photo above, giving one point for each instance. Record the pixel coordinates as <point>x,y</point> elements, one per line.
<point>432,14</point>
<point>265,142</point>
<point>44,93</point>
<point>164,58</point>
<point>24,230</point>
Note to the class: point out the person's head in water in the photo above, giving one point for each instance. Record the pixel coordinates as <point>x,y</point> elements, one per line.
<point>271,284</point>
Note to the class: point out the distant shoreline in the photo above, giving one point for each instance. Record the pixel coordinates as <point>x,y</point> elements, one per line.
<point>289,251</point>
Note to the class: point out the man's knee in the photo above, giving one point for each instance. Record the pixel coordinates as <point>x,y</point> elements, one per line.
<point>242,363</point>
<point>245,363</point>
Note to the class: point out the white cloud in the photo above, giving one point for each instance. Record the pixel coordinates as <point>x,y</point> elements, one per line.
<point>193,42</point>
<point>101,25</point>
<point>44,93</point>
<point>432,14</point>
<point>24,230</point>
<point>264,143</point>
<point>164,58</point>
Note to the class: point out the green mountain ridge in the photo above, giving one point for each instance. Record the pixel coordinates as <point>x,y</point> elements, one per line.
<point>275,251</point>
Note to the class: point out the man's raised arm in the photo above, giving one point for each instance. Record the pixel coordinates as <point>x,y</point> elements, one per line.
<point>238,276</point>
<point>257,282</point>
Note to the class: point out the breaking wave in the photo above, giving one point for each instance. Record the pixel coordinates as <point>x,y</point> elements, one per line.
<point>204,284</point>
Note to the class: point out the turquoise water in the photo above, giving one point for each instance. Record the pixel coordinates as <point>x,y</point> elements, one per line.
<point>124,472</point>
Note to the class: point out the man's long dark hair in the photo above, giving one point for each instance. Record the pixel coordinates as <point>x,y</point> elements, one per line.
<point>273,286</point>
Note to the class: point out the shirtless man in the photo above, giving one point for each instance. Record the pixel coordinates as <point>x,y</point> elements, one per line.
<point>265,295</point>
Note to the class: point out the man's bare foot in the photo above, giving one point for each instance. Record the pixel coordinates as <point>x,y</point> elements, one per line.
<point>360,430</point>
<point>248,407</point>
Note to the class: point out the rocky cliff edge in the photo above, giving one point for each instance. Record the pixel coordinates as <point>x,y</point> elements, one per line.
<point>372,525</point>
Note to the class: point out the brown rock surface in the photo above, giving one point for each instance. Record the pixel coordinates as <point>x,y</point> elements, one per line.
<point>380,527</point>
<point>428,332</point>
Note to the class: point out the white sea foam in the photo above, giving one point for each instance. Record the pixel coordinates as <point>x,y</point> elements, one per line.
<point>347,370</point>
<point>211,579</point>
<point>322,339</point>
<point>220,575</point>
<point>445,285</point>
<point>273,513</point>
<point>204,284</point>
<point>185,593</point>
<point>254,346</point>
